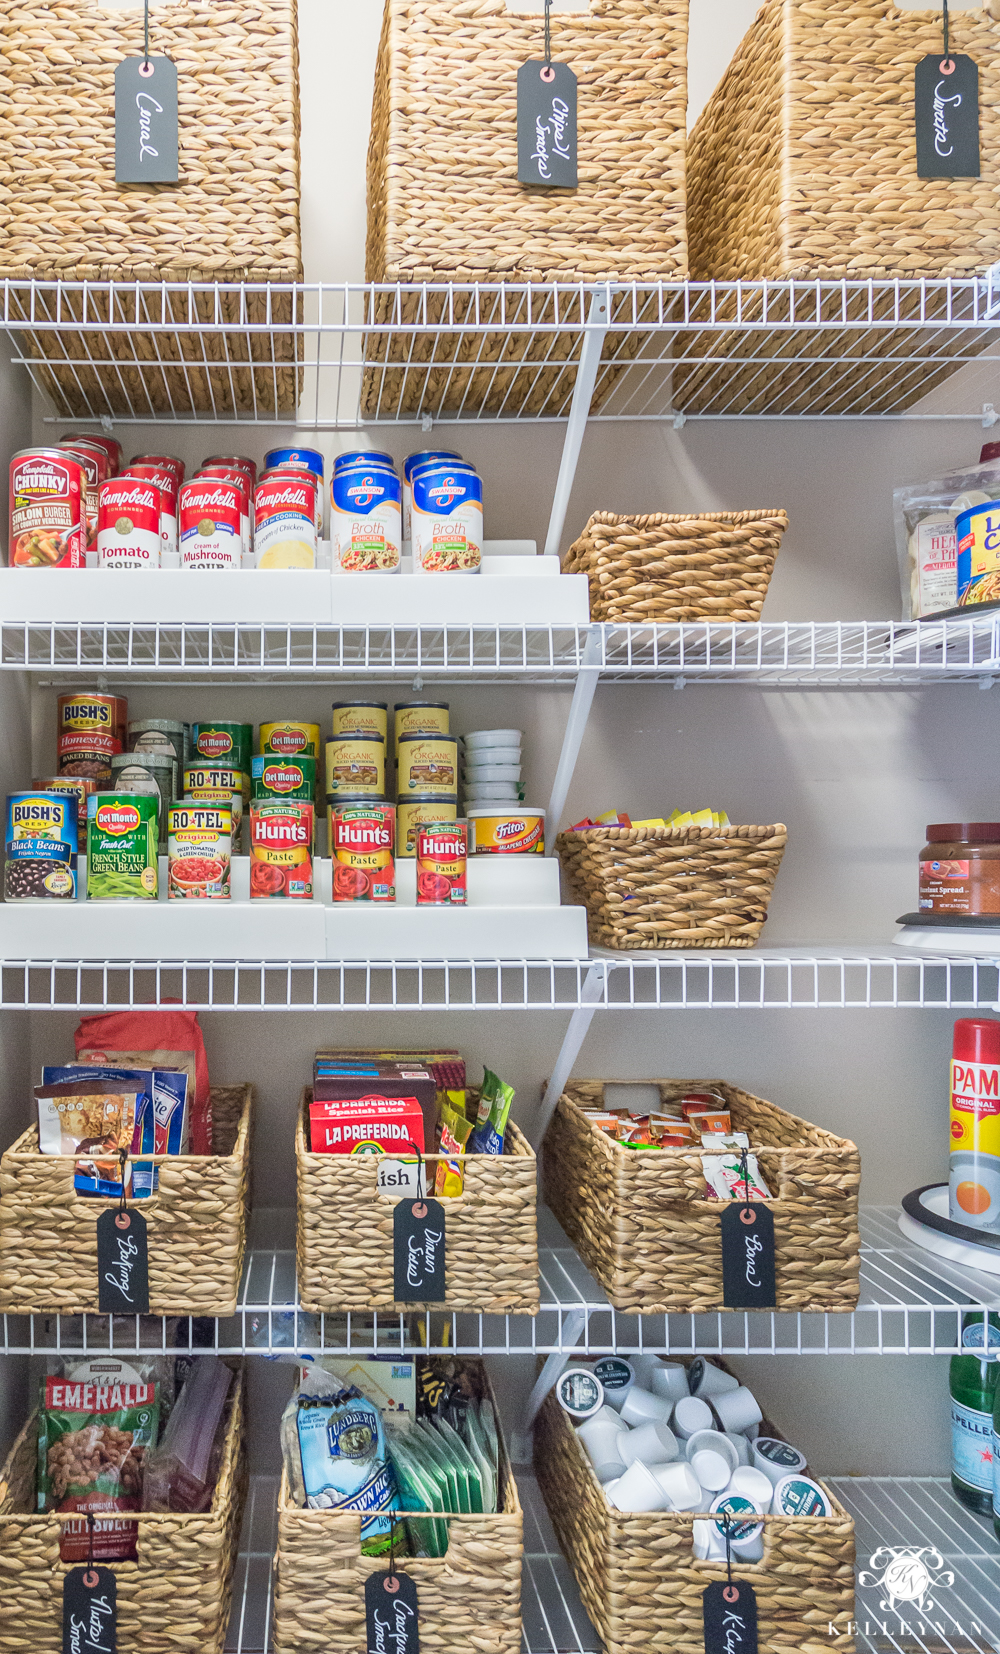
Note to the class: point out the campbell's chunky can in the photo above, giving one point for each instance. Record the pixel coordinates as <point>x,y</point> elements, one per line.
<point>442,862</point>
<point>281,838</point>
<point>87,734</point>
<point>96,470</point>
<point>284,521</point>
<point>211,524</point>
<point>366,529</point>
<point>128,524</point>
<point>169,484</point>
<point>48,512</point>
<point>97,439</point>
<point>362,838</point>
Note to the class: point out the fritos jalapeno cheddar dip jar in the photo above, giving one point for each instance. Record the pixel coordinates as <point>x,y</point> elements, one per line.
<point>87,734</point>
<point>122,847</point>
<point>361,844</point>
<point>442,850</point>
<point>281,837</point>
<point>414,813</point>
<point>420,718</point>
<point>355,767</point>
<point>199,851</point>
<point>427,766</point>
<point>40,839</point>
<point>361,718</point>
<point>496,832</point>
<point>48,510</point>
<point>960,868</point>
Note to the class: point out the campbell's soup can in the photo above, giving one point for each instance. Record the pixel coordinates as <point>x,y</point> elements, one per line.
<point>219,784</point>
<point>496,832</point>
<point>199,851</point>
<point>284,521</point>
<point>169,486</point>
<point>355,767</point>
<point>240,480</point>
<point>420,718</point>
<point>442,859</point>
<point>96,470</point>
<point>366,529</point>
<point>97,439</point>
<point>281,839</point>
<point>447,521</point>
<point>362,838</point>
<point>413,462</point>
<point>427,766</point>
<point>48,511</point>
<point>414,813</point>
<point>211,525</point>
<point>239,462</point>
<point>163,462</point>
<point>361,718</point>
<point>128,524</point>
<point>309,480</point>
<point>289,739</point>
<point>86,738</point>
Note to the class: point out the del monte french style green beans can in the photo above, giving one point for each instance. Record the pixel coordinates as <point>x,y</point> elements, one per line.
<point>122,834</point>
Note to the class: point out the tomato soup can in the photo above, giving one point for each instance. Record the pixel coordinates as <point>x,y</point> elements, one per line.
<point>239,462</point>
<point>122,847</point>
<point>366,528</point>
<point>163,462</point>
<point>355,767</point>
<point>281,838</point>
<point>240,481</point>
<point>420,718</point>
<point>96,470</point>
<point>361,718</point>
<point>97,439</point>
<point>40,838</point>
<point>414,813</point>
<point>284,522</point>
<point>218,784</point>
<point>362,839</point>
<point>79,787</point>
<point>48,511</point>
<point>86,735</point>
<point>199,850</point>
<point>129,524</point>
<point>442,860</point>
<point>211,524</point>
<point>447,520</point>
<point>168,485</point>
<point>496,832</point>
<point>427,766</point>
<point>232,742</point>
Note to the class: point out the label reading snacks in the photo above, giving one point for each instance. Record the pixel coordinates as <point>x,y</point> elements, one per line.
<point>391,1617</point>
<point>90,1611</point>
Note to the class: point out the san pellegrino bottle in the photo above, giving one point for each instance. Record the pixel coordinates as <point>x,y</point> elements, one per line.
<point>972,1383</point>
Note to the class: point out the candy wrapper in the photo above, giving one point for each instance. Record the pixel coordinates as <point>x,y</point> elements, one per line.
<point>724,1177</point>
<point>494,1110</point>
<point>449,1179</point>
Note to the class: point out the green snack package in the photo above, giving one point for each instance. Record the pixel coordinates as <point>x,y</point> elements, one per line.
<point>454,1465</point>
<point>427,1445</point>
<point>488,1425</point>
<point>465,1458</point>
<point>487,1138</point>
<point>475,1441</point>
<point>417,1493</point>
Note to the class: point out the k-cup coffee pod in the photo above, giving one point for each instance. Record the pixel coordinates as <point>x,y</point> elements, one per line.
<point>753,1484</point>
<point>652,1443</point>
<point>716,1442</point>
<point>707,1541</point>
<point>669,1380</point>
<point>711,1468</point>
<point>609,1488</point>
<point>642,1407</point>
<point>743,1446</point>
<point>639,1489</point>
<point>616,1377</point>
<point>777,1459</point>
<point>600,1442</point>
<point>579,1392</point>
<point>746,1537</point>
<point>691,1415</point>
<point>680,1485</point>
<point>610,1471</point>
<point>737,1410</point>
<point>708,1381</point>
<point>799,1496</point>
<point>604,1413</point>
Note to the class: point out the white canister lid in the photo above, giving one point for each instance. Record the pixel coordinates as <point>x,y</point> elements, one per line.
<point>579,1392</point>
<point>800,1496</point>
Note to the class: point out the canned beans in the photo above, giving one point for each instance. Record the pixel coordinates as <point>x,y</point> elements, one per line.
<point>87,735</point>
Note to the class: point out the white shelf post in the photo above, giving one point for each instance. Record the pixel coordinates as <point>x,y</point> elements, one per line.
<point>586,378</point>
<point>576,723</point>
<point>591,995</point>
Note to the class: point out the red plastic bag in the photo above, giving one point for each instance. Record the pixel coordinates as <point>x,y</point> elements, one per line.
<point>154,1039</point>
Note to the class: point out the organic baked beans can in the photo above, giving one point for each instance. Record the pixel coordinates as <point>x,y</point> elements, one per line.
<point>48,512</point>
<point>355,767</point>
<point>129,524</point>
<point>420,718</point>
<point>362,838</point>
<point>284,522</point>
<point>289,739</point>
<point>233,742</point>
<point>96,470</point>
<point>41,839</point>
<point>169,485</point>
<point>199,850</point>
<point>218,784</point>
<point>496,832</point>
<point>122,847</point>
<point>361,718</point>
<point>366,529</point>
<point>97,439</point>
<point>281,838</point>
<point>442,859</point>
<point>211,524</point>
<point>414,813</point>
<point>86,735</point>
<point>427,766</point>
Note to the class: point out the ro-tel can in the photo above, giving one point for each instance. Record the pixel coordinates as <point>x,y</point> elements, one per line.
<point>199,850</point>
<point>412,462</point>
<point>153,772</point>
<point>231,742</point>
<point>289,739</point>
<point>414,813</point>
<point>169,484</point>
<point>365,520</point>
<point>447,521</point>
<point>78,787</point>
<point>427,766</point>
<point>86,739</point>
<point>97,439</point>
<point>974,1159</point>
<point>284,522</point>
<point>361,718</point>
<point>40,839</point>
<point>240,480</point>
<point>220,783</point>
<point>420,718</point>
<point>211,524</point>
<point>497,832</point>
<point>129,523</point>
<point>122,847</point>
<point>48,526</point>
<point>355,767</point>
<point>158,735</point>
<point>281,838</point>
<point>442,853</point>
<point>96,469</point>
<point>163,462</point>
<point>361,844</point>
<point>977,537</point>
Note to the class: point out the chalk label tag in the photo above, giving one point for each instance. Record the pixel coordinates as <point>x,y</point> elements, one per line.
<point>546,125</point>
<point>392,1622</point>
<point>418,1231</point>
<point>146,121</point>
<point>90,1611</point>
<point>748,1256</point>
<point>730,1615</point>
<point>122,1263</point>
<point>946,108</point>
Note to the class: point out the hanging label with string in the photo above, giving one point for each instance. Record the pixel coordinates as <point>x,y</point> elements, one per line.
<point>122,1263</point>
<point>729,1610</point>
<point>747,1235</point>
<point>392,1621</point>
<point>146,145</point>
<point>90,1611</point>
<point>946,110</point>
<point>546,120</point>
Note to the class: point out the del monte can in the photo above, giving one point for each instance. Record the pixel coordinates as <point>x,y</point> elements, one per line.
<point>122,832</point>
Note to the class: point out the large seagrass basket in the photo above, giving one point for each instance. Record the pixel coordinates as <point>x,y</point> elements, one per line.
<point>642,1586</point>
<point>661,568</point>
<point>445,206</point>
<point>197,1221</point>
<point>233,217</point>
<point>646,1230</point>
<point>673,887</point>
<point>469,1600</point>
<point>344,1231</point>
<point>175,1597</point>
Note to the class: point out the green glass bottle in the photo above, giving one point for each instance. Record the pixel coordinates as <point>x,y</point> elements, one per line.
<point>972,1383</point>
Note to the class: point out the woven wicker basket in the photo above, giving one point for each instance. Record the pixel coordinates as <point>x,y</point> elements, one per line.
<point>645,1229</point>
<point>642,1586</point>
<point>469,1599</point>
<point>233,217</point>
<point>197,1224</point>
<point>710,565</point>
<point>344,1231</point>
<point>174,1600</point>
<point>672,887</point>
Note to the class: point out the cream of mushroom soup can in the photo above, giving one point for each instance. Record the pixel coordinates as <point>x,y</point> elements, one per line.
<point>211,524</point>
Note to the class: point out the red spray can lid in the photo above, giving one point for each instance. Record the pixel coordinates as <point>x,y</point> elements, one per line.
<point>976,1039</point>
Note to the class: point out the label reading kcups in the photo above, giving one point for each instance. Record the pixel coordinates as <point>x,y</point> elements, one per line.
<point>418,1244</point>
<point>90,1611</point>
<point>946,108</point>
<point>729,1612</point>
<point>748,1256</point>
<point>391,1615</point>
<point>122,1263</point>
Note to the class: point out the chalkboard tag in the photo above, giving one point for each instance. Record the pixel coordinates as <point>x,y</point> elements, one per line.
<point>392,1623</point>
<point>418,1252</point>
<point>946,108</point>
<point>122,1263</point>
<point>748,1256</point>
<point>90,1611</point>
<point>146,121</point>
<point>546,125</point>
<point>730,1614</point>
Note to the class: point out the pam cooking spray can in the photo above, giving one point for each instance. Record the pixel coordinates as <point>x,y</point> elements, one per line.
<point>974,1161</point>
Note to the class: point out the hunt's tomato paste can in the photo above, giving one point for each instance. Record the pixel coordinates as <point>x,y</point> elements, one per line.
<point>169,485</point>
<point>281,837</point>
<point>211,524</point>
<point>96,469</point>
<point>48,523</point>
<point>128,524</point>
<point>362,844</point>
<point>442,860</point>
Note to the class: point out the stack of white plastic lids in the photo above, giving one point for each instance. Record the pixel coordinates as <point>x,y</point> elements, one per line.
<point>491,767</point>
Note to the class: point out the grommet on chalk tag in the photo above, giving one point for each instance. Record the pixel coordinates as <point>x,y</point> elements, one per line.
<point>946,112</point>
<point>546,120</point>
<point>90,1606</point>
<point>122,1258</point>
<point>418,1248</point>
<point>729,1609</point>
<point>146,121</point>
<point>747,1236</point>
<point>392,1619</point>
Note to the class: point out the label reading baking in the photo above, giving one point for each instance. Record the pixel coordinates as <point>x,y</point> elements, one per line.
<point>122,1263</point>
<point>402,1177</point>
<point>90,1611</point>
<point>546,125</point>
<point>146,121</point>
<point>418,1252</point>
<point>392,1620</point>
<point>729,1611</point>
<point>946,108</point>
<point>748,1257</point>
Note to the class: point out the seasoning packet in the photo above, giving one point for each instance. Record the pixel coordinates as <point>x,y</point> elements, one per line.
<point>418,1492</point>
<point>724,1177</point>
<point>494,1110</point>
<point>720,1122</point>
<point>340,1440</point>
<point>449,1178</point>
<point>97,1120</point>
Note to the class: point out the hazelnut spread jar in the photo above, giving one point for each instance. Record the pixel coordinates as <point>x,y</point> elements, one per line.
<point>960,868</point>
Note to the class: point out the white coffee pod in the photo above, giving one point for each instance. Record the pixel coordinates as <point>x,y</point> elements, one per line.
<point>616,1378</point>
<point>680,1485</point>
<point>639,1489</point>
<point>712,1470</point>
<point>691,1415</point>
<point>777,1459</point>
<point>715,1442</point>
<point>753,1484</point>
<point>601,1444</point>
<point>642,1407</point>
<point>652,1443</point>
<point>668,1379</point>
<point>746,1537</point>
<point>799,1496</point>
<point>610,1471</point>
<point>742,1444</point>
<point>706,1380</point>
<point>604,1419</point>
<point>708,1544</point>
<point>738,1409</point>
<point>643,1366</point>
<point>608,1490</point>
<point>579,1392</point>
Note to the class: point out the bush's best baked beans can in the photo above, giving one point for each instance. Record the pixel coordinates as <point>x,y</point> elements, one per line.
<point>41,839</point>
<point>442,860</point>
<point>361,844</point>
<point>211,524</point>
<point>128,524</point>
<point>284,521</point>
<point>355,767</point>
<point>427,766</point>
<point>96,470</point>
<point>420,718</point>
<point>199,848</point>
<point>366,530</point>
<point>86,738</point>
<point>414,813</point>
<point>496,832</point>
<point>361,718</point>
<point>290,739</point>
<point>281,838</point>
<point>48,513</point>
<point>76,786</point>
<point>169,486</point>
<point>97,439</point>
